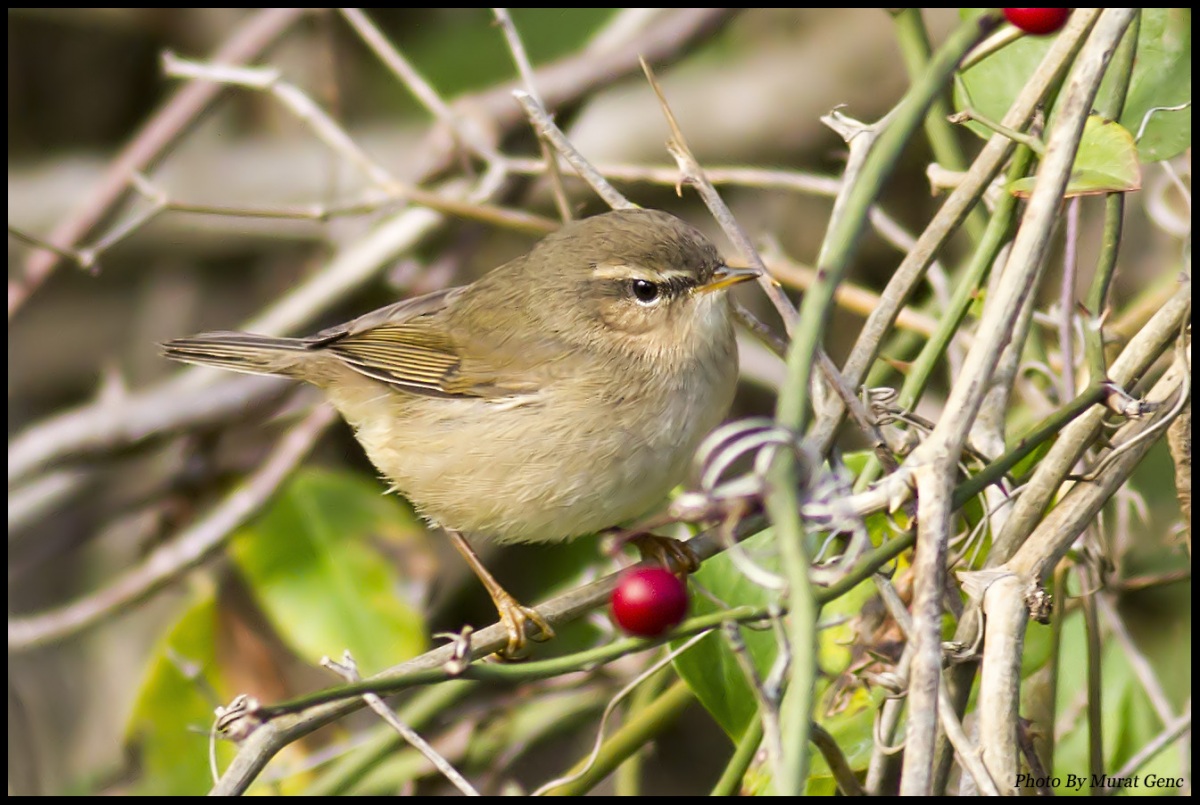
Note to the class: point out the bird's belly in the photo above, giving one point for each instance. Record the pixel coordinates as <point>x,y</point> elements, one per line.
<point>522,471</point>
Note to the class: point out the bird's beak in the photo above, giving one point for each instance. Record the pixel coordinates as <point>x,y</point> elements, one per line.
<point>725,277</point>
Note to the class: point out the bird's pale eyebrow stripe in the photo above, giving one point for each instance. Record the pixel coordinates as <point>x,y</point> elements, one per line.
<point>622,271</point>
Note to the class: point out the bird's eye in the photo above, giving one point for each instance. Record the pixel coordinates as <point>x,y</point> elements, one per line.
<point>644,291</point>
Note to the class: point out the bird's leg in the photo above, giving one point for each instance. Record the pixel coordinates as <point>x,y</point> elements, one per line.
<point>512,614</point>
<point>677,557</point>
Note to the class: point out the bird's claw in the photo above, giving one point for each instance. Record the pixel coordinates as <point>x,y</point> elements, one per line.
<point>514,616</point>
<point>677,557</point>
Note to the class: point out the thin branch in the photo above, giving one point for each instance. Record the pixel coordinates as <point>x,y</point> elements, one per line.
<point>84,258</point>
<point>791,181</point>
<point>1058,529</point>
<point>848,296</point>
<point>348,670</point>
<point>966,752</point>
<point>551,133</point>
<point>269,79</point>
<point>421,89</point>
<point>692,173</point>
<point>517,48</point>
<point>372,201</point>
<point>607,755</point>
<point>1142,350</point>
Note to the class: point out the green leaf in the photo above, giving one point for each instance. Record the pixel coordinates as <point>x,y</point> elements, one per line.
<point>1162,77</point>
<point>990,87</point>
<point>1106,162</point>
<point>313,567</point>
<point>173,712</point>
<point>1128,720</point>
<point>710,668</point>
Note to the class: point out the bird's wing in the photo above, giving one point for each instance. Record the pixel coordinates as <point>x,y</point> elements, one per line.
<point>411,346</point>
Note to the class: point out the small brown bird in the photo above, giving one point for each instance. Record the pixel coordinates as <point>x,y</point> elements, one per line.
<point>560,394</point>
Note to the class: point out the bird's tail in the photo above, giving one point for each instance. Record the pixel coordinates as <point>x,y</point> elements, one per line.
<point>241,352</point>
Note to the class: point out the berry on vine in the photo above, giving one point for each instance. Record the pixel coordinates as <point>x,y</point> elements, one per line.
<point>1038,21</point>
<point>648,601</point>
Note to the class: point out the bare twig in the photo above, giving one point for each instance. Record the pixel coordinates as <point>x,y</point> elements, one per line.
<point>269,79</point>
<point>372,201</point>
<point>551,133</point>
<point>416,83</point>
<point>84,258</point>
<point>848,296</point>
<point>965,750</point>
<point>743,176</point>
<point>586,766</point>
<point>1141,351</point>
<point>1058,529</point>
<point>348,670</point>
<point>691,173</point>
<point>525,70</point>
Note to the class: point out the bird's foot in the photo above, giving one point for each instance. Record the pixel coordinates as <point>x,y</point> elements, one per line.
<point>514,616</point>
<point>677,557</point>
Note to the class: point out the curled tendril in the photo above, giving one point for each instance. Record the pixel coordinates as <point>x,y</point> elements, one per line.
<point>730,442</point>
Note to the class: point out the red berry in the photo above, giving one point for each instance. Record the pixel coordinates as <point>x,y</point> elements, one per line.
<point>648,601</point>
<point>1038,21</point>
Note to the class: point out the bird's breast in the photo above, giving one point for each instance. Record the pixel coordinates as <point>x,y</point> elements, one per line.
<point>572,458</point>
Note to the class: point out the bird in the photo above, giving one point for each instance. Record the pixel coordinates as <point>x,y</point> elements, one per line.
<point>562,393</point>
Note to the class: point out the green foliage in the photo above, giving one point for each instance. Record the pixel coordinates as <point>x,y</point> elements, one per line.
<point>1128,720</point>
<point>1107,162</point>
<point>710,667</point>
<point>173,712</point>
<point>310,564</point>
<point>1162,77</point>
